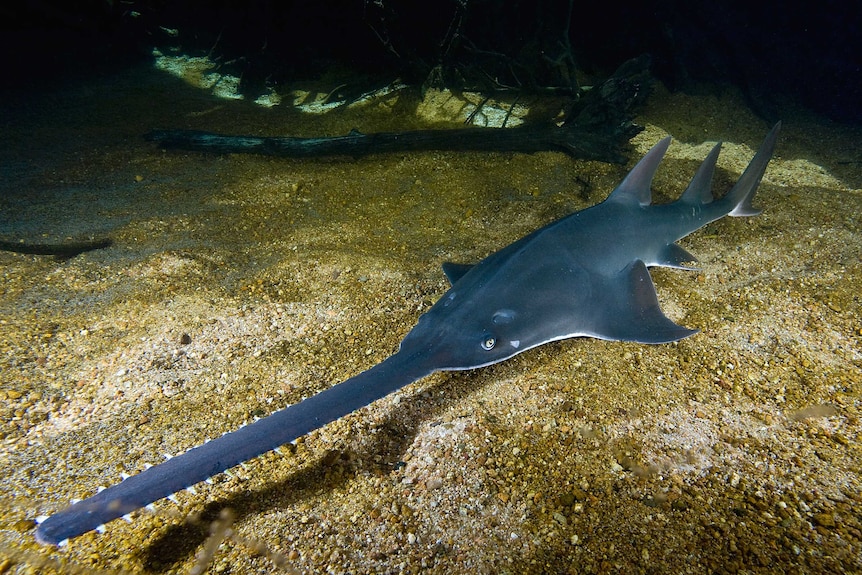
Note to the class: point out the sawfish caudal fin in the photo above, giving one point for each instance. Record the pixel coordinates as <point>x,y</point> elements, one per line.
<point>740,196</point>
<point>630,310</point>
<point>202,462</point>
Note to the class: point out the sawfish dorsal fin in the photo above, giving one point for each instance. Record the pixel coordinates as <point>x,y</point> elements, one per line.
<point>699,190</point>
<point>630,310</point>
<point>636,185</point>
<point>454,272</point>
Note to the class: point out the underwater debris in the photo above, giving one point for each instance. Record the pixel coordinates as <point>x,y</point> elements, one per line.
<point>59,251</point>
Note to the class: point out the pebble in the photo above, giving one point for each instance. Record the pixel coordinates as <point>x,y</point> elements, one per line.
<point>433,483</point>
<point>560,518</point>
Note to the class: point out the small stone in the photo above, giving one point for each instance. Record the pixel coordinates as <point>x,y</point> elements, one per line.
<point>433,483</point>
<point>567,499</point>
<point>560,518</point>
<point>23,525</point>
<point>185,339</point>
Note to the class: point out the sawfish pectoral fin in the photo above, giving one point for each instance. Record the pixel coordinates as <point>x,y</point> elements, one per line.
<point>630,310</point>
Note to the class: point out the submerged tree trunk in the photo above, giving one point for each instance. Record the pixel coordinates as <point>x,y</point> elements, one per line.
<point>61,251</point>
<point>572,140</point>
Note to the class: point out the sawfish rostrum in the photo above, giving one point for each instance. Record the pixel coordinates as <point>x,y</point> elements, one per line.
<point>583,275</point>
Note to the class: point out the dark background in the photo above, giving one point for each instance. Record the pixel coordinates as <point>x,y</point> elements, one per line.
<point>776,55</point>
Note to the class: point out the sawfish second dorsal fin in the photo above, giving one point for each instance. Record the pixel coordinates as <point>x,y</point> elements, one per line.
<point>699,191</point>
<point>636,185</point>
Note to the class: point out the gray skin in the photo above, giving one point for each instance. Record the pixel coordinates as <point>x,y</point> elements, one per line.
<point>583,275</point>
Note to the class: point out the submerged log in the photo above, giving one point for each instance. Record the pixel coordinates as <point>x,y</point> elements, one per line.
<point>61,251</point>
<point>570,139</point>
<point>598,128</point>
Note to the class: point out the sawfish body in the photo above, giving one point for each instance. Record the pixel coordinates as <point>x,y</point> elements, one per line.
<point>583,275</point>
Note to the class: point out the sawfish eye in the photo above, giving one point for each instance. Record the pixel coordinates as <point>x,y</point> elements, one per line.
<point>488,343</point>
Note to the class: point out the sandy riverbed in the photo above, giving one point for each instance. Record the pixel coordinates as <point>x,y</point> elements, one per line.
<point>239,284</point>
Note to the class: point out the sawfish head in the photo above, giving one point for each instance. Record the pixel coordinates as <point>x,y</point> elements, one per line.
<point>464,332</point>
<point>456,339</point>
<point>499,309</point>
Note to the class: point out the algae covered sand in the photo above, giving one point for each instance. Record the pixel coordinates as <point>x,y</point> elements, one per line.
<point>238,284</point>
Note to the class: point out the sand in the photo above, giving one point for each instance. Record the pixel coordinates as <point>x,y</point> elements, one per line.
<point>240,284</point>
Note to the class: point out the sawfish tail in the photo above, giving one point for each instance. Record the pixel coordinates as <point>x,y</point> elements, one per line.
<point>204,461</point>
<point>738,199</point>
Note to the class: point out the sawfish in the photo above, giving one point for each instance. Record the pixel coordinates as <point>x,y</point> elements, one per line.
<point>583,275</point>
